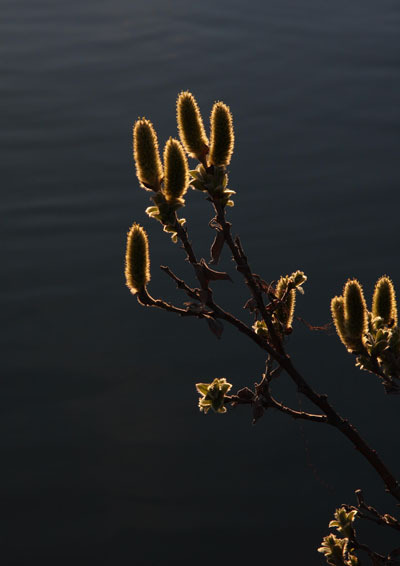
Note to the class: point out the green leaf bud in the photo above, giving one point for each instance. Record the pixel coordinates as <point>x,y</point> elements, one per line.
<point>355,313</point>
<point>334,550</point>
<point>137,259</point>
<point>176,172</point>
<point>222,135</point>
<point>384,301</point>
<point>190,126</point>
<point>146,155</point>
<point>343,521</point>
<point>213,395</point>
<point>298,277</point>
<point>285,311</point>
<point>260,328</point>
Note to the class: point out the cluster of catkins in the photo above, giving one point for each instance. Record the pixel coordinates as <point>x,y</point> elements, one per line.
<point>169,181</point>
<point>373,336</point>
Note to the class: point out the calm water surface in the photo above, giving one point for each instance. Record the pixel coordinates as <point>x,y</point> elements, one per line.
<point>105,457</point>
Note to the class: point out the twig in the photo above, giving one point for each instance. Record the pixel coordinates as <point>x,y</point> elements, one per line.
<point>180,283</point>
<point>321,401</point>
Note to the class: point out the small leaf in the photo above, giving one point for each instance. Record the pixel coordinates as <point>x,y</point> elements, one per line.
<point>212,275</point>
<point>195,174</point>
<point>202,388</point>
<point>258,412</point>
<point>215,326</point>
<point>197,184</point>
<point>245,393</point>
<point>216,247</point>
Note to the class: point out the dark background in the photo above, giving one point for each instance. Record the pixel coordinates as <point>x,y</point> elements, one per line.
<point>105,456</point>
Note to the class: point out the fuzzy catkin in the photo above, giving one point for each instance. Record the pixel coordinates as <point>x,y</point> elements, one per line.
<point>384,300</point>
<point>355,311</point>
<point>190,125</point>
<point>137,259</point>
<point>146,154</point>
<point>176,171</point>
<point>285,311</point>
<point>337,310</point>
<point>222,135</point>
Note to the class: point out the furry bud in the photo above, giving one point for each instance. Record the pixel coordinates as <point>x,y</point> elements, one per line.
<point>137,259</point>
<point>190,126</point>
<point>146,154</point>
<point>355,312</point>
<point>222,135</point>
<point>337,310</point>
<point>384,300</point>
<point>176,177</point>
<point>285,311</point>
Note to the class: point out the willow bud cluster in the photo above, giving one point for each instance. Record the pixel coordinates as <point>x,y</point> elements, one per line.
<point>373,336</point>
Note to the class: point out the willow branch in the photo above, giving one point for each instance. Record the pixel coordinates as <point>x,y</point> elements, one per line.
<point>243,267</point>
<point>271,402</point>
<point>276,351</point>
<point>147,300</point>
<point>180,283</point>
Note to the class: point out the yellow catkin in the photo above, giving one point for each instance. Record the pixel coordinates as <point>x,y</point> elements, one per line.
<point>355,312</point>
<point>384,300</point>
<point>337,310</point>
<point>146,155</point>
<point>137,259</point>
<point>190,126</point>
<point>176,172</point>
<point>222,135</point>
<point>285,311</point>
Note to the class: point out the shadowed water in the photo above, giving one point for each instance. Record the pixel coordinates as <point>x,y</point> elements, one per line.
<point>105,457</point>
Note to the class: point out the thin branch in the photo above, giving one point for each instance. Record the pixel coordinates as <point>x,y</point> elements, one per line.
<point>180,283</point>
<point>147,300</point>
<point>321,401</point>
<point>243,267</point>
<point>277,353</point>
<point>271,402</point>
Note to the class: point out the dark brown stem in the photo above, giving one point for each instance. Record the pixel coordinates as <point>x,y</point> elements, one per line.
<point>243,267</point>
<point>321,401</point>
<point>148,301</point>
<point>182,235</point>
<point>180,283</point>
<point>271,402</point>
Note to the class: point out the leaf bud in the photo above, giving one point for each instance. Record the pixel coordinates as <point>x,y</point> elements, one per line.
<point>213,395</point>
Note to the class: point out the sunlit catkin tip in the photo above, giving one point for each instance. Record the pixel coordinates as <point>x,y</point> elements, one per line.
<point>337,310</point>
<point>176,171</point>
<point>285,311</point>
<point>384,300</point>
<point>355,310</point>
<point>222,135</point>
<point>190,126</point>
<point>146,154</point>
<point>137,259</point>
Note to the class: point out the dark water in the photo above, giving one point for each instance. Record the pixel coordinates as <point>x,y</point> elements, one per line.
<point>105,457</point>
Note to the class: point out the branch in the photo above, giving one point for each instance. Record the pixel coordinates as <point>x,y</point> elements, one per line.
<point>147,300</point>
<point>180,283</point>
<point>243,267</point>
<point>276,352</point>
<point>271,402</point>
